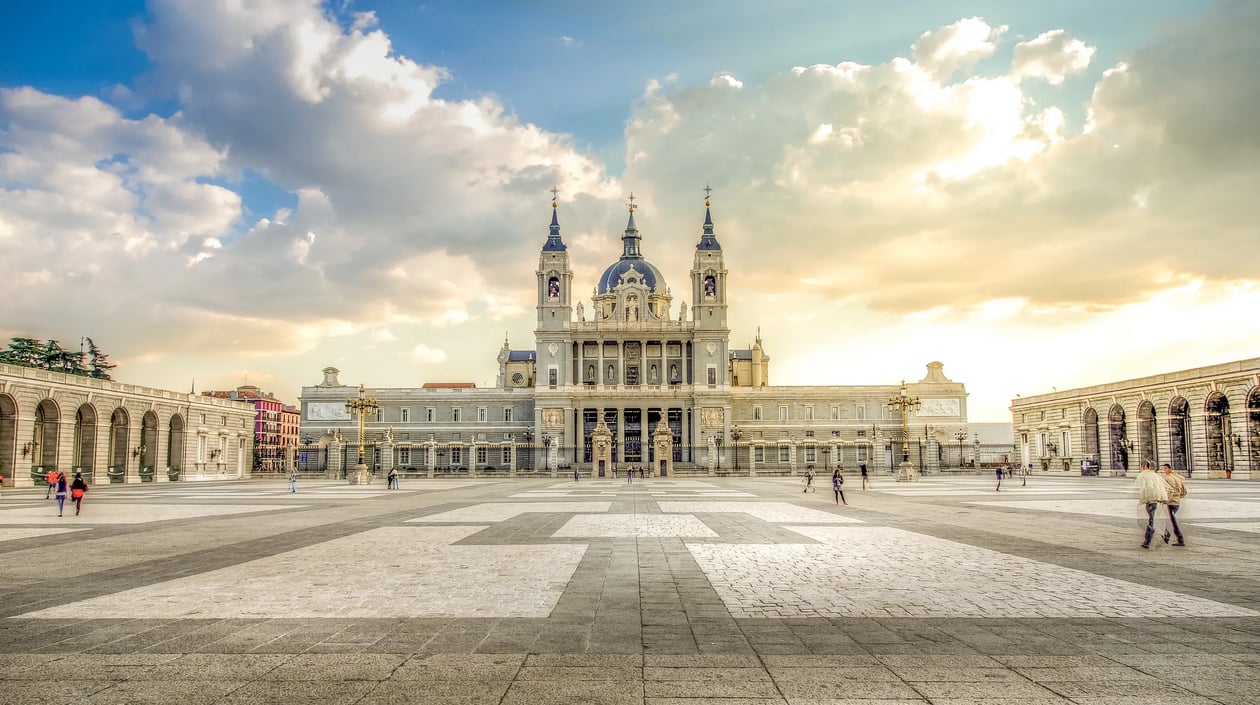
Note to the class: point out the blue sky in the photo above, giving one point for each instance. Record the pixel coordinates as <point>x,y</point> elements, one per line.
<point>296,178</point>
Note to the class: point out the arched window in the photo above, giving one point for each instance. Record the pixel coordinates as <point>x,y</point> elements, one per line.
<point>1179,434</point>
<point>1118,435</point>
<point>1148,447</point>
<point>1089,422</point>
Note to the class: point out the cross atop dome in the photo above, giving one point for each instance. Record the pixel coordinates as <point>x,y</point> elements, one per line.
<point>554,242</point>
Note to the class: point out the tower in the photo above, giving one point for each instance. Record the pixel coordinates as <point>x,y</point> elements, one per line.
<point>555,279</point>
<point>708,310</point>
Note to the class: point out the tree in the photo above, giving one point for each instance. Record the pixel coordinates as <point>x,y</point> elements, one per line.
<point>52,357</point>
<point>98,362</point>
<point>23,351</point>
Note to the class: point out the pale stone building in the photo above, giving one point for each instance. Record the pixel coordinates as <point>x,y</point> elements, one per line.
<point>116,432</point>
<point>1203,421</point>
<point>628,379</point>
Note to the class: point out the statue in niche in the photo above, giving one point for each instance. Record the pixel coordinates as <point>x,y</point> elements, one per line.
<point>553,289</point>
<point>710,287</point>
<point>682,311</point>
<point>610,372</point>
<point>652,374</point>
<point>632,308</point>
<point>590,373</point>
<point>673,373</point>
<point>581,313</point>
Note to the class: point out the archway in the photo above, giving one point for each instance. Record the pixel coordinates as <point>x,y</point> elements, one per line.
<point>119,437</point>
<point>1089,422</point>
<point>1148,444</point>
<point>175,447</point>
<point>47,434</point>
<point>1118,436</point>
<point>1253,431</point>
<point>8,438</point>
<point>1179,434</point>
<point>1216,411</point>
<point>148,444</point>
<point>83,457</point>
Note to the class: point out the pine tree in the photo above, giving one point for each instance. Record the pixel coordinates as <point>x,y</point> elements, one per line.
<point>98,362</point>
<point>52,357</point>
<point>23,351</point>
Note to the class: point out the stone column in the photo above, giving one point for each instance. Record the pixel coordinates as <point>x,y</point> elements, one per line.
<point>335,459</point>
<point>387,455</point>
<point>621,434</point>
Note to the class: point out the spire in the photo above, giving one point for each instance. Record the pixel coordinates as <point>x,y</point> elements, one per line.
<point>630,239</point>
<point>554,243</point>
<point>708,241</point>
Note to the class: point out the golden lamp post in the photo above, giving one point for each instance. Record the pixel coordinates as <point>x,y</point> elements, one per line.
<point>905,403</point>
<point>361,405</point>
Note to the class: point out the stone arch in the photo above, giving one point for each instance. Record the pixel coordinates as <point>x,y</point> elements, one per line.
<point>1148,442</point>
<point>1118,438</point>
<point>47,434</point>
<point>119,438</point>
<point>8,438</point>
<point>83,455</point>
<point>1179,436</point>
<point>1217,432</point>
<point>148,440</point>
<point>1253,431</point>
<point>175,443</point>
<point>1089,426</point>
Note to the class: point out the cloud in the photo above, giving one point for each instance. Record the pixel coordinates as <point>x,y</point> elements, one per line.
<point>1052,56</point>
<point>944,51</point>
<point>425,355</point>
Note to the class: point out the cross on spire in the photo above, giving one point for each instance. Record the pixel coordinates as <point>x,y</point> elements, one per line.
<point>707,191</point>
<point>554,192</point>
<point>632,202</point>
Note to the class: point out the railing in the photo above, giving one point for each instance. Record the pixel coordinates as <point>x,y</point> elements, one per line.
<point>116,474</point>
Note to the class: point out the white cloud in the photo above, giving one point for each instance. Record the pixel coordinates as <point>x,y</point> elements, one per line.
<point>959,45</point>
<point>425,355</point>
<point>1054,56</point>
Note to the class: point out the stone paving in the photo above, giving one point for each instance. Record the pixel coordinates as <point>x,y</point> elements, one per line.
<point>669,592</point>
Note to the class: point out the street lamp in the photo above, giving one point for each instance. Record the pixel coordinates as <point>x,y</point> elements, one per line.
<point>547,440</point>
<point>528,436</point>
<point>960,435</point>
<point>361,405</point>
<point>905,403</point>
<point>975,459</point>
<point>717,445</point>
<point>736,434</point>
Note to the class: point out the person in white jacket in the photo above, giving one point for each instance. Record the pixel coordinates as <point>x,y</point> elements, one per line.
<point>1152,491</point>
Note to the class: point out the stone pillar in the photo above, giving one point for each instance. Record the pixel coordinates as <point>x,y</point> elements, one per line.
<point>335,459</point>
<point>601,449</point>
<point>621,433</point>
<point>686,434</point>
<point>387,454</point>
<point>663,442</point>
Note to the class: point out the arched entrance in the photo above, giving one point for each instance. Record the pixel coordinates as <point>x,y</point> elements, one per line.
<point>1219,455</point>
<point>83,457</point>
<point>1179,434</point>
<point>1148,444</point>
<point>119,437</point>
<point>8,438</point>
<point>47,434</point>
<point>148,446</point>
<point>1089,422</point>
<point>1253,431</point>
<point>175,447</point>
<point>1118,435</point>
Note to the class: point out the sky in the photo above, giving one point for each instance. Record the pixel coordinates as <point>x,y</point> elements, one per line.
<point>1038,195</point>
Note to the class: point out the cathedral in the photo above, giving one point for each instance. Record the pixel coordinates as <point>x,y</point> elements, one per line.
<point>631,379</point>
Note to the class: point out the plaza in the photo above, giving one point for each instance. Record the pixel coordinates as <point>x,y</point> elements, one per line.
<point>663,591</point>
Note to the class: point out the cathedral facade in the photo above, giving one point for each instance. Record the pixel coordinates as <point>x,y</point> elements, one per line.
<point>628,378</point>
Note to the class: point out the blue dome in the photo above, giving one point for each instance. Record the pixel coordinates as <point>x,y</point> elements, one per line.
<point>644,272</point>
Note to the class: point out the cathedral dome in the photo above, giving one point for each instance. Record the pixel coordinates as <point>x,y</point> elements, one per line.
<point>631,266</point>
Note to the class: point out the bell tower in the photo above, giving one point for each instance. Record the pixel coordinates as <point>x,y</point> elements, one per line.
<point>555,279</point>
<point>708,309</point>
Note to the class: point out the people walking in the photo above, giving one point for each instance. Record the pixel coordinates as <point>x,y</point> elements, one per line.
<point>575,474</point>
<point>1176,492</point>
<point>78,488</point>
<point>1152,491</point>
<point>1024,475</point>
<point>293,478</point>
<point>391,480</point>
<point>809,479</point>
<point>864,478</point>
<point>51,478</point>
<point>999,481</point>
<point>60,492</point>
<point>837,486</point>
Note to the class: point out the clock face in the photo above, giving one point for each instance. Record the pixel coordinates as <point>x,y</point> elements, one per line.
<point>517,378</point>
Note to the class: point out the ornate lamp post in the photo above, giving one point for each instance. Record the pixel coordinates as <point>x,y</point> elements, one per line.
<point>548,441</point>
<point>736,434</point>
<point>717,449</point>
<point>960,435</point>
<point>528,436</point>
<point>361,405</point>
<point>975,459</point>
<point>905,403</point>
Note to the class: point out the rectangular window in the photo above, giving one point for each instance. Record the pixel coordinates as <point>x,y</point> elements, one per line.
<point>1065,444</point>
<point>809,434</point>
<point>404,456</point>
<point>202,418</point>
<point>861,413</point>
<point>507,413</point>
<point>759,454</point>
<point>404,414</point>
<point>483,414</point>
<point>456,414</point>
<point>809,413</point>
<point>429,414</point>
<point>553,376</point>
<point>863,454</point>
<point>756,413</point>
<point>201,448</point>
<point>457,455</point>
<point>223,421</point>
<point>811,454</point>
<point>711,375</point>
<point>785,455</point>
<point>783,413</point>
<point>481,455</point>
<point>835,413</point>
<point>380,415</point>
<point>507,455</point>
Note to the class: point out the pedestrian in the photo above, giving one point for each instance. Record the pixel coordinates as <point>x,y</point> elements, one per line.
<point>1152,491</point>
<point>575,474</point>
<point>629,476</point>
<point>391,480</point>
<point>1026,473</point>
<point>837,486</point>
<point>999,481</point>
<point>1176,492</point>
<point>78,488</point>
<point>60,492</point>
<point>809,479</point>
<point>293,477</point>
<point>864,478</point>
<point>51,478</point>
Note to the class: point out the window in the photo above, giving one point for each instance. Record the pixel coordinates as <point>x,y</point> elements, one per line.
<point>380,415</point>
<point>201,419</point>
<point>756,413</point>
<point>711,375</point>
<point>223,421</point>
<point>507,455</point>
<point>481,455</point>
<point>457,455</point>
<point>809,434</point>
<point>759,454</point>
<point>811,454</point>
<point>1063,413</point>
<point>507,413</point>
<point>861,413</point>
<point>404,415</point>
<point>861,433</point>
<point>1065,443</point>
<point>456,414</point>
<point>785,454</point>
<point>553,376</point>
<point>835,413</point>
<point>809,413</point>
<point>201,445</point>
<point>483,414</point>
<point>429,414</point>
<point>863,454</point>
<point>1043,414</point>
<point>783,413</point>
<point>404,456</point>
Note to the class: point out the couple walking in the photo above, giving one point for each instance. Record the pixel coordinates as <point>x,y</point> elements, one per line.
<point>74,490</point>
<point>1155,489</point>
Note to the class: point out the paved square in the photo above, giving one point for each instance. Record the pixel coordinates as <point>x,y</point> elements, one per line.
<point>15,534</point>
<point>765,511</point>
<point>634,526</point>
<point>1130,508</point>
<point>111,513</point>
<point>502,511</point>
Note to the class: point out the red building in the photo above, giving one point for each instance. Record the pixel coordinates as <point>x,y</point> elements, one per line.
<point>275,425</point>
